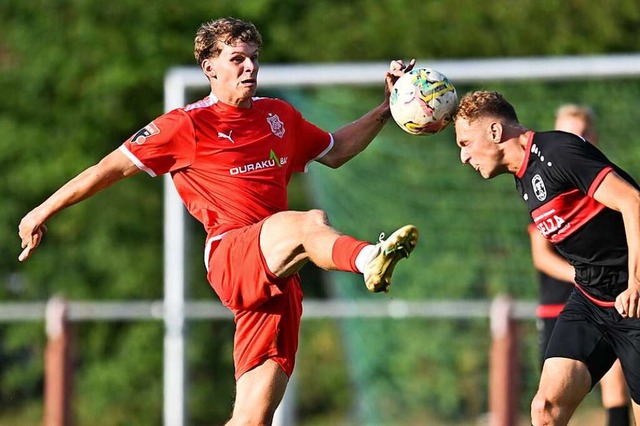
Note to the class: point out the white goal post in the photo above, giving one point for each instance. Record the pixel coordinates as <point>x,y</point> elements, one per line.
<point>179,80</point>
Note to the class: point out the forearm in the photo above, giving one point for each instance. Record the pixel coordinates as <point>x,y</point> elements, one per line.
<point>546,259</point>
<point>631,216</point>
<point>556,267</point>
<point>77,189</point>
<point>617,194</point>
<point>354,137</point>
<point>109,170</point>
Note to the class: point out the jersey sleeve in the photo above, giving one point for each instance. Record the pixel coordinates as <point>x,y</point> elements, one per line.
<point>165,145</point>
<point>312,143</point>
<point>581,164</point>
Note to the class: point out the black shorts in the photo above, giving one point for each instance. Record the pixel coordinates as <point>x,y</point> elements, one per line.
<point>597,336</point>
<point>545,327</point>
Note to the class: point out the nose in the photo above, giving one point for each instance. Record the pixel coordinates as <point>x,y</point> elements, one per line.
<point>250,65</point>
<point>464,156</point>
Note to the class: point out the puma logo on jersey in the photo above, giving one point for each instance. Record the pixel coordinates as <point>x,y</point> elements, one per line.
<point>222,135</point>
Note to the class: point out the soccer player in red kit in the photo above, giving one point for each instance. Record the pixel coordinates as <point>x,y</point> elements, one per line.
<point>231,156</point>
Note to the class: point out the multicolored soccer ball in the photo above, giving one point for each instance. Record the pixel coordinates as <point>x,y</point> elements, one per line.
<point>423,101</point>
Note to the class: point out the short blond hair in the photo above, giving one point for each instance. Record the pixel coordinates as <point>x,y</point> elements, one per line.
<point>211,35</point>
<point>481,104</point>
<point>583,113</point>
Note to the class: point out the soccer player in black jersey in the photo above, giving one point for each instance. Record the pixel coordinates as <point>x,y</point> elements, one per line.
<point>589,208</point>
<point>556,275</point>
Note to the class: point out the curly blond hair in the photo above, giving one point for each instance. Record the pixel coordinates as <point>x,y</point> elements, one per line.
<point>211,35</point>
<point>481,103</point>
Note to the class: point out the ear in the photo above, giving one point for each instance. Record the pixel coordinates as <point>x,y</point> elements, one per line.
<point>495,131</point>
<point>208,68</point>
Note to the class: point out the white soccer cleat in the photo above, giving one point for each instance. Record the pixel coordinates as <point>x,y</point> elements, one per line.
<point>400,244</point>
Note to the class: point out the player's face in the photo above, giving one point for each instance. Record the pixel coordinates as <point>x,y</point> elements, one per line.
<point>477,148</point>
<point>234,74</point>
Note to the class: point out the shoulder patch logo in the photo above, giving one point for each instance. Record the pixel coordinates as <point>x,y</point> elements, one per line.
<point>147,131</point>
<point>538,188</point>
<point>277,126</point>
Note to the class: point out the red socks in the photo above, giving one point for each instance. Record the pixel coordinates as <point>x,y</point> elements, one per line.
<point>344,253</point>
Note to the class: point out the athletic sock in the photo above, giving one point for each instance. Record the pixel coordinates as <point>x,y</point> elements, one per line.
<point>618,416</point>
<point>345,251</point>
<point>365,256</point>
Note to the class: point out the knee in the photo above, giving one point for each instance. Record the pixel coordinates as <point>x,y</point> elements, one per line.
<point>317,217</point>
<point>541,409</point>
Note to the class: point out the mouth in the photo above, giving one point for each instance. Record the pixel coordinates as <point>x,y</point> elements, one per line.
<point>249,82</point>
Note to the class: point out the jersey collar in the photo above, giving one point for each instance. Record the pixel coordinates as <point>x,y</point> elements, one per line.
<point>527,152</point>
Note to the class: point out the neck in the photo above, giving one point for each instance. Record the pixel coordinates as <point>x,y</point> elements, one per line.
<point>225,98</point>
<point>516,148</point>
<point>519,151</point>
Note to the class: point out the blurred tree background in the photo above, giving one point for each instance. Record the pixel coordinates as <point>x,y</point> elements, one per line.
<point>78,77</point>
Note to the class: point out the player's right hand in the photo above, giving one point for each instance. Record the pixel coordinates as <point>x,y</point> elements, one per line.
<point>31,233</point>
<point>628,303</point>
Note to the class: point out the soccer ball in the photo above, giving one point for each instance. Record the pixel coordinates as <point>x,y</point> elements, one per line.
<point>423,101</point>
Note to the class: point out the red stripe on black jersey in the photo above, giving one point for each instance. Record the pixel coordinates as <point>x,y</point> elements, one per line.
<point>527,153</point>
<point>598,180</point>
<point>565,214</point>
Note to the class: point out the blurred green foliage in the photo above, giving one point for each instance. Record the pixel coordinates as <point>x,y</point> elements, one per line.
<point>77,77</point>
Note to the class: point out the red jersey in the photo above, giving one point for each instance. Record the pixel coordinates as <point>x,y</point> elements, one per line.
<point>231,166</point>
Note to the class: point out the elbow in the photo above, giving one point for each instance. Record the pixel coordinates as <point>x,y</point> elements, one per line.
<point>537,263</point>
<point>335,164</point>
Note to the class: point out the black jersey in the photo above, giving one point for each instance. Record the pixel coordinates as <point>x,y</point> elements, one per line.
<point>557,180</point>
<point>552,290</point>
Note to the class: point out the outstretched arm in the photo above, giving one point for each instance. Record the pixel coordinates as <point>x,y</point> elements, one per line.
<point>354,137</point>
<point>618,194</point>
<point>110,169</point>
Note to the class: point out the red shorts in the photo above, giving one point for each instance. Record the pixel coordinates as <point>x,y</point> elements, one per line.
<point>266,309</point>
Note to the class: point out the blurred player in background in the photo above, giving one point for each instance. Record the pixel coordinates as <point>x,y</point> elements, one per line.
<point>231,156</point>
<point>556,277</point>
<point>589,209</point>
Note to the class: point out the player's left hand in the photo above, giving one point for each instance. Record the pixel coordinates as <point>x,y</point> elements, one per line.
<point>628,303</point>
<point>397,69</point>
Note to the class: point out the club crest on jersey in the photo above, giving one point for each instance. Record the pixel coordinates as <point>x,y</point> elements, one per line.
<point>277,126</point>
<point>147,131</point>
<point>539,188</point>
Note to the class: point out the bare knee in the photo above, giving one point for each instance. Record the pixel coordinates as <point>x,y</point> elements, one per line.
<point>547,409</point>
<point>258,393</point>
<point>541,410</point>
<point>316,217</point>
<point>315,225</point>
